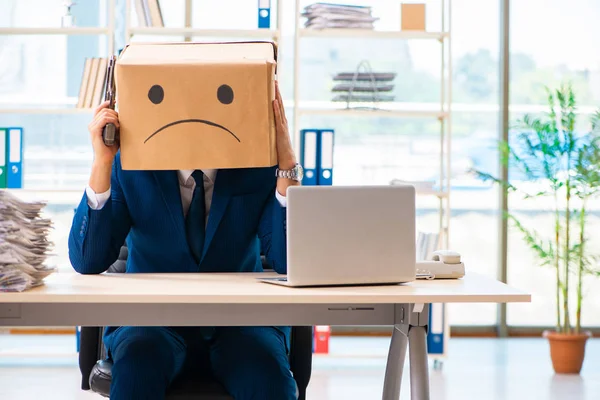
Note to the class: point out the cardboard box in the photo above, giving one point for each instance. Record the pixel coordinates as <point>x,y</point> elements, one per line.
<point>413,17</point>
<point>196,105</point>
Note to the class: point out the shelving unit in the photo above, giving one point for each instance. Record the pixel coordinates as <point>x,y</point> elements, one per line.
<point>440,112</point>
<point>396,110</point>
<point>188,31</point>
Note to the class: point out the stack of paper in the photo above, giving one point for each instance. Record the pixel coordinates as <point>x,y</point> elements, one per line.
<point>325,15</point>
<point>24,244</point>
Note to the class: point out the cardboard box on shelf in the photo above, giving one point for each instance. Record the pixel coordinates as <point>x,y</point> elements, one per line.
<point>196,105</point>
<point>413,17</point>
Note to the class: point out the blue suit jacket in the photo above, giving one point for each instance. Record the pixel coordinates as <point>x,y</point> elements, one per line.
<point>245,218</point>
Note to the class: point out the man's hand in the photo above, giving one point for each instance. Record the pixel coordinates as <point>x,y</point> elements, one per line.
<point>285,153</point>
<point>103,155</point>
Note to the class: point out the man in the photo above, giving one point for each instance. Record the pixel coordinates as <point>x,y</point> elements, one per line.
<point>188,221</point>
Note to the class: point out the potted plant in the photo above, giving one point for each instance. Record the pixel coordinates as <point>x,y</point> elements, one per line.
<point>564,166</point>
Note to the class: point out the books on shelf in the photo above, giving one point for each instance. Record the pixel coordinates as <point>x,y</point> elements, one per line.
<point>24,244</point>
<point>92,82</point>
<point>149,13</point>
<point>335,16</point>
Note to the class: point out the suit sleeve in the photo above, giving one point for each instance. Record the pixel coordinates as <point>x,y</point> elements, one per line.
<point>272,234</point>
<point>97,235</point>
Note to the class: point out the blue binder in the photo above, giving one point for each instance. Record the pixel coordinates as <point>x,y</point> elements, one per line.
<point>264,14</point>
<point>14,158</point>
<point>325,144</point>
<point>435,336</point>
<point>308,156</point>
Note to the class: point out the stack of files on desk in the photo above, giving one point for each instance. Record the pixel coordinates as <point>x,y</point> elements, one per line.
<point>24,244</point>
<point>333,16</point>
<point>363,86</point>
<point>93,80</point>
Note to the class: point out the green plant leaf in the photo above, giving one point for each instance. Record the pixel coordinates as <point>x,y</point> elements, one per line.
<point>544,249</point>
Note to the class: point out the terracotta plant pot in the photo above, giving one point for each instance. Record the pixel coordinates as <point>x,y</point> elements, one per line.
<point>567,351</point>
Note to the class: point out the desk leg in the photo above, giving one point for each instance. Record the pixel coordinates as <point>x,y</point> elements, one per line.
<point>419,371</point>
<point>395,364</point>
<point>410,329</point>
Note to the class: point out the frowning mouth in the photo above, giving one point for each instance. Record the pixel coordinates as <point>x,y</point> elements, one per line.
<point>185,121</point>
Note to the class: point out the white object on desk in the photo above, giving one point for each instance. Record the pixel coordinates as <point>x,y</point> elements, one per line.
<point>445,264</point>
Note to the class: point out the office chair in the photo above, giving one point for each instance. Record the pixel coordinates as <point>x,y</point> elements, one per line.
<point>95,367</point>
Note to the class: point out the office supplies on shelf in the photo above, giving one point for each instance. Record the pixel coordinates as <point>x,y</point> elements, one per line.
<point>110,131</point>
<point>3,157</point>
<point>308,156</point>
<point>67,20</point>
<point>363,86</point>
<point>325,145</point>
<point>264,14</point>
<point>349,235</point>
<point>332,16</point>
<point>316,156</point>
<point>24,243</point>
<point>14,158</point>
<point>437,324</point>
<point>322,333</point>
<point>412,17</point>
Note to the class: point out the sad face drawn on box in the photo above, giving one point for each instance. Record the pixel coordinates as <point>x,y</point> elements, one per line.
<point>224,94</point>
<point>195,106</point>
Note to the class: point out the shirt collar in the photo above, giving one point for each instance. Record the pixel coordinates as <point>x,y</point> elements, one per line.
<point>184,174</point>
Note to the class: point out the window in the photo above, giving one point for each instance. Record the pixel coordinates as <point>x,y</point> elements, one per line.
<point>545,51</point>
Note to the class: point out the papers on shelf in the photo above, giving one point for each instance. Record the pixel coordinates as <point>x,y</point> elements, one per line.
<point>24,244</point>
<point>332,16</point>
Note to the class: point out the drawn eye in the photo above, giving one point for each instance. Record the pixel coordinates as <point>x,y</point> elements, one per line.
<point>156,94</point>
<point>225,94</point>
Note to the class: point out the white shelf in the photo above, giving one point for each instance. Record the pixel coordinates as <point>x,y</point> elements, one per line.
<point>57,111</point>
<point>371,34</point>
<point>373,113</point>
<point>55,31</point>
<point>253,33</point>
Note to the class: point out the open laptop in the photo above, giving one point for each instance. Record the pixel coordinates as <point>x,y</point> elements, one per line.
<point>342,235</point>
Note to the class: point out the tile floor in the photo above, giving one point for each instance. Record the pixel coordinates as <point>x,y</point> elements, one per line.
<point>488,369</point>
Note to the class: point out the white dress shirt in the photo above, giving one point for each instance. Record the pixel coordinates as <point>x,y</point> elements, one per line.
<point>187,184</point>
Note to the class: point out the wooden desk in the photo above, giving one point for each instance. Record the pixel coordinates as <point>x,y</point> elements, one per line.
<point>69,299</point>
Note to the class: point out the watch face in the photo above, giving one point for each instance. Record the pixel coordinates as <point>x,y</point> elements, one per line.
<point>299,172</point>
